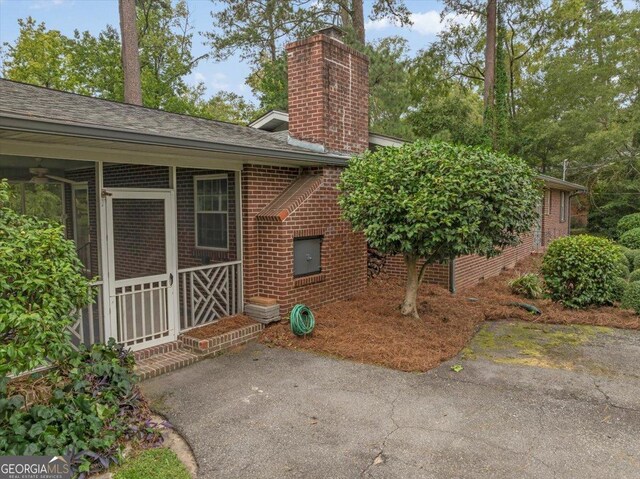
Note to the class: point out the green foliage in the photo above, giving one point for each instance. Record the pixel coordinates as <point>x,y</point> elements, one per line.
<point>634,276</point>
<point>41,285</point>
<point>579,270</point>
<point>631,297</point>
<point>528,285</point>
<point>621,268</point>
<point>90,65</point>
<point>94,405</point>
<point>628,222</point>
<point>631,238</point>
<point>619,287</point>
<point>632,256</point>
<point>152,464</point>
<point>438,201</point>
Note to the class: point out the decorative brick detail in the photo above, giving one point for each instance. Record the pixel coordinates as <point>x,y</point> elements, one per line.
<point>328,94</point>
<point>268,244</point>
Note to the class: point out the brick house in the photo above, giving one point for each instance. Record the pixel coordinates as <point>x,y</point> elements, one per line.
<point>180,219</point>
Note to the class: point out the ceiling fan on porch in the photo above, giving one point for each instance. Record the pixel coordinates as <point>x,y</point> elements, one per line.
<point>41,176</point>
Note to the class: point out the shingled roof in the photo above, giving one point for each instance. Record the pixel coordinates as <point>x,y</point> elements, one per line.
<point>28,102</point>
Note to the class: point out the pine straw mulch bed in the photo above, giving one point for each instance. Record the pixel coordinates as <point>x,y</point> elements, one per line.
<point>225,325</point>
<point>369,328</point>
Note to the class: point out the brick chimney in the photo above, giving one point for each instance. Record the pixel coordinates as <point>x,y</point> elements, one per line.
<point>328,93</point>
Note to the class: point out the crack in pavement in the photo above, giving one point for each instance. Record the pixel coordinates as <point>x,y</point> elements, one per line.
<point>379,456</point>
<point>608,401</point>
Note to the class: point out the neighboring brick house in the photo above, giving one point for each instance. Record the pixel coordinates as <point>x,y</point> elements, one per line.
<point>181,219</point>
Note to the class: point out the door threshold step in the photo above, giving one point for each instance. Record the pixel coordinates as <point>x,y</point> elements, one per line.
<point>158,364</point>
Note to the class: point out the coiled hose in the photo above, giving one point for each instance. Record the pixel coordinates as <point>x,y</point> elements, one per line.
<point>301,320</point>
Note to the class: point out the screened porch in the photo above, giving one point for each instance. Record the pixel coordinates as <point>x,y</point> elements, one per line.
<point>162,244</point>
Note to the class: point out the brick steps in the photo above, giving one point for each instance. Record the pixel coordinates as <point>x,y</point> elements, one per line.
<point>152,362</point>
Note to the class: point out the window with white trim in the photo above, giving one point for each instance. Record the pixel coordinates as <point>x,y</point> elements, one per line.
<point>563,207</point>
<point>547,202</point>
<point>212,211</point>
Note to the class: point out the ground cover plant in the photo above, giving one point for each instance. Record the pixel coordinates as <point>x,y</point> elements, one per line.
<point>369,327</point>
<point>89,407</point>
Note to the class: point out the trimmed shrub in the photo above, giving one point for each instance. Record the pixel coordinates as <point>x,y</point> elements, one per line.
<point>622,270</point>
<point>633,255</point>
<point>619,287</point>
<point>631,238</point>
<point>634,276</point>
<point>41,284</point>
<point>628,222</point>
<point>528,285</point>
<point>91,409</point>
<point>631,297</point>
<point>580,270</point>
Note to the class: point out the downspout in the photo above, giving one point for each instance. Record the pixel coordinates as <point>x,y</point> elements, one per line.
<point>452,275</point>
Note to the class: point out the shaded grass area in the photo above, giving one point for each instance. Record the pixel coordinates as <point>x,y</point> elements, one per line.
<point>540,345</point>
<point>369,328</point>
<point>152,464</point>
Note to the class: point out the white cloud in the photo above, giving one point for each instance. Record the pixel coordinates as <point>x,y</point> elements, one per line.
<point>379,24</point>
<point>199,77</point>
<point>220,81</point>
<point>423,23</point>
<point>47,4</point>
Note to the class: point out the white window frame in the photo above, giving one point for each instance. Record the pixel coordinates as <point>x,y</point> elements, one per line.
<point>563,207</point>
<point>195,208</point>
<point>547,201</point>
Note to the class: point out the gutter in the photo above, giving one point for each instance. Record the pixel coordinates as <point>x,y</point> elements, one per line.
<point>102,133</point>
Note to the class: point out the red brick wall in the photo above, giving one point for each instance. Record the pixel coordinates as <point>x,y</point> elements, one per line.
<point>552,227</point>
<point>268,267</point>
<point>434,274</point>
<point>328,94</point>
<point>470,269</point>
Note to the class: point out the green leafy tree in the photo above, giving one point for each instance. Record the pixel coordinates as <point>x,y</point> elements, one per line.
<point>229,107</point>
<point>91,65</point>
<point>41,285</point>
<point>437,201</point>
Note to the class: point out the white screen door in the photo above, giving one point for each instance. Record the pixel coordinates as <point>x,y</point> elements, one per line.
<point>142,268</point>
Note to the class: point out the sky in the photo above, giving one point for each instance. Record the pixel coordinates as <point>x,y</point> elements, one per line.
<point>95,15</point>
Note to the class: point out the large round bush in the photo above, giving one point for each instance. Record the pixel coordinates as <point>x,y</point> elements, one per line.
<point>635,276</point>
<point>631,297</point>
<point>581,270</point>
<point>628,222</point>
<point>631,238</point>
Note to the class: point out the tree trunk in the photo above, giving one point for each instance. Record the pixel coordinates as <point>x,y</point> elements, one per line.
<point>130,55</point>
<point>410,303</point>
<point>357,19</point>
<point>490,56</point>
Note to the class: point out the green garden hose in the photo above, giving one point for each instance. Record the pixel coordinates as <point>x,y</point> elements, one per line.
<point>301,320</point>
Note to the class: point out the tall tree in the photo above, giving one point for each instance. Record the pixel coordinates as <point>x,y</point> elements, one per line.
<point>130,54</point>
<point>490,55</point>
<point>91,65</point>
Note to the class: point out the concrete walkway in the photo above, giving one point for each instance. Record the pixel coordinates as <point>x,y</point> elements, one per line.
<point>568,409</point>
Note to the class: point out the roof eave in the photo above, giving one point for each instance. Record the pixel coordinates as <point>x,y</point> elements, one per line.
<point>562,184</point>
<point>10,122</point>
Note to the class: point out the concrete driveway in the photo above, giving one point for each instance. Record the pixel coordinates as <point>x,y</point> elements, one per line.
<point>530,401</point>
